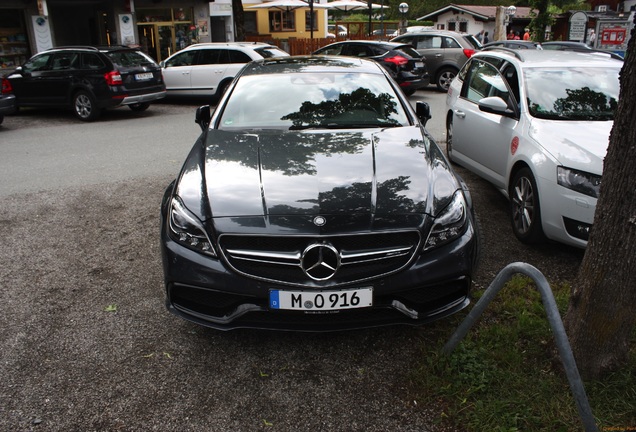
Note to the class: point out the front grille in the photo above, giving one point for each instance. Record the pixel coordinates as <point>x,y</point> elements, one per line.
<point>347,259</point>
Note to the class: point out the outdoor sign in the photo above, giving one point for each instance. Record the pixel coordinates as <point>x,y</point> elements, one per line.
<point>578,24</point>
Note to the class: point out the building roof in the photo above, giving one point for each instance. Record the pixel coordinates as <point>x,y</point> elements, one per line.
<point>485,13</point>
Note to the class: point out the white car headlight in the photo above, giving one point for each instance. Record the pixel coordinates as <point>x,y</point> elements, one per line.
<point>188,230</point>
<point>580,181</point>
<point>450,224</point>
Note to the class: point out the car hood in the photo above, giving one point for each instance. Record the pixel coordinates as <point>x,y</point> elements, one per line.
<point>365,178</point>
<point>575,144</point>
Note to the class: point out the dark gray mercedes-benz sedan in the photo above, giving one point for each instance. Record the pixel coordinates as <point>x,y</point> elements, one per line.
<point>315,200</point>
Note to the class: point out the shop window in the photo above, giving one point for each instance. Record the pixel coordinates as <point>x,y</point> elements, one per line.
<point>308,21</point>
<point>282,21</point>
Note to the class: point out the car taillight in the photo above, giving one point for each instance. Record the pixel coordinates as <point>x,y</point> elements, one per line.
<point>113,78</point>
<point>6,86</point>
<point>397,60</point>
<point>469,52</point>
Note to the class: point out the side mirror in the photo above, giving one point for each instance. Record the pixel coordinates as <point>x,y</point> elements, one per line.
<point>423,111</point>
<point>495,105</point>
<point>202,117</point>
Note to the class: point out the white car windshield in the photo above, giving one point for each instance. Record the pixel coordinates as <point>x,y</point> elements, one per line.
<point>575,93</point>
<point>312,100</point>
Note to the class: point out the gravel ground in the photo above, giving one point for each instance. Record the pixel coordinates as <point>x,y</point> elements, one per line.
<point>87,345</point>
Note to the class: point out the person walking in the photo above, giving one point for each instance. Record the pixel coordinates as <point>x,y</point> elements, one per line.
<point>526,35</point>
<point>591,39</point>
<point>486,38</point>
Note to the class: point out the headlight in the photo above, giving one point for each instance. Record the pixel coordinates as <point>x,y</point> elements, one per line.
<point>580,181</point>
<point>188,230</point>
<point>450,224</point>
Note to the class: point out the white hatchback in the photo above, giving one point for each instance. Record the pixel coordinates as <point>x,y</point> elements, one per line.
<point>206,69</point>
<point>536,124</point>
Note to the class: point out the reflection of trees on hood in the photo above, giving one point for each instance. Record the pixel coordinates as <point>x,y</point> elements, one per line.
<point>314,114</point>
<point>290,153</point>
<point>356,198</point>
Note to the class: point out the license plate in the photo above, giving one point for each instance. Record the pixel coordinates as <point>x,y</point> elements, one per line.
<point>419,65</point>
<point>143,76</point>
<point>321,300</point>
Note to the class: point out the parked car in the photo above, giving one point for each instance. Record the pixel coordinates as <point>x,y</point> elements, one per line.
<point>578,47</point>
<point>404,64</point>
<point>7,99</point>
<point>206,69</point>
<point>536,124</point>
<point>330,209</point>
<point>88,80</point>
<point>339,30</point>
<point>445,52</point>
<point>513,44</point>
<point>389,32</point>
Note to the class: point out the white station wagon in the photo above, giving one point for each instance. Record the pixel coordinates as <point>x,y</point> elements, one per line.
<point>207,69</point>
<point>536,124</point>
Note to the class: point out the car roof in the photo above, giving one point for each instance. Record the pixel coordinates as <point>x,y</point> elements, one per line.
<point>230,45</point>
<point>551,58</point>
<point>318,63</point>
<point>371,42</point>
<point>433,31</point>
<point>105,48</point>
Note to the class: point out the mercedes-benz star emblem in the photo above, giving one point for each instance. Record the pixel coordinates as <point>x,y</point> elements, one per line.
<point>320,261</point>
<point>319,221</point>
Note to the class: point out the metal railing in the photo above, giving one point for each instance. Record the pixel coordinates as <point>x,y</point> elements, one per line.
<point>562,342</point>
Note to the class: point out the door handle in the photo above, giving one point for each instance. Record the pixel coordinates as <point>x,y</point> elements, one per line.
<point>459,113</point>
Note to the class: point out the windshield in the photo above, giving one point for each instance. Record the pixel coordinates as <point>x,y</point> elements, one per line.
<point>312,100</point>
<point>576,93</point>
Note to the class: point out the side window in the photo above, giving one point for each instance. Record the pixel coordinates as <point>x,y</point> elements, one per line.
<point>65,61</point>
<point>209,56</point>
<point>426,42</point>
<point>91,61</point>
<point>333,50</point>
<point>359,51</point>
<point>511,76</point>
<point>449,42</point>
<point>482,81</point>
<point>182,59</point>
<point>238,57</point>
<point>37,64</point>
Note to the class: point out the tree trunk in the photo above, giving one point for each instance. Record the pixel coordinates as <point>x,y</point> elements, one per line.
<point>602,310</point>
<point>239,20</point>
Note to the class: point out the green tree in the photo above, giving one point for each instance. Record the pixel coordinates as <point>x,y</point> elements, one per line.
<point>602,312</point>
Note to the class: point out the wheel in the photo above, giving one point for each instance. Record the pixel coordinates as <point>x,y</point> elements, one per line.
<point>84,106</point>
<point>449,139</point>
<point>220,91</point>
<point>138,107</point>
<point>525,211</point>
<point>1,118</point>
<point>444,78</point>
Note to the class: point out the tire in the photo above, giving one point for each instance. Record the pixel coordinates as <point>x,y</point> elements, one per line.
<point>221,89</point>
<point>138,107</point>
<point>84,106</point>
<point>525,210</point>
<point>444,77</point>
<point>1,118</point>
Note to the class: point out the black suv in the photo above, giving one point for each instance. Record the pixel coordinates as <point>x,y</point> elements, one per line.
<point>88,79</point>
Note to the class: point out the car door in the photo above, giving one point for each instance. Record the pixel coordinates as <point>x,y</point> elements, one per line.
<point>207,71</point>
<point>27,82</point>
<point>431,47</point>
<point>482,140</point>
<point>177,72</point>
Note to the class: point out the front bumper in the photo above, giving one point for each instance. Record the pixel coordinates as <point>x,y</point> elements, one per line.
<point>203,290</point>
<point>7,104</point>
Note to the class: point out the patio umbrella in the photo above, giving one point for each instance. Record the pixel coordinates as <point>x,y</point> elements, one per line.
<point>348,5</point>
<point>290,5</point>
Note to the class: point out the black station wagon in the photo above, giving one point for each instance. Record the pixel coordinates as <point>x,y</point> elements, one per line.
<point>88,79</point>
